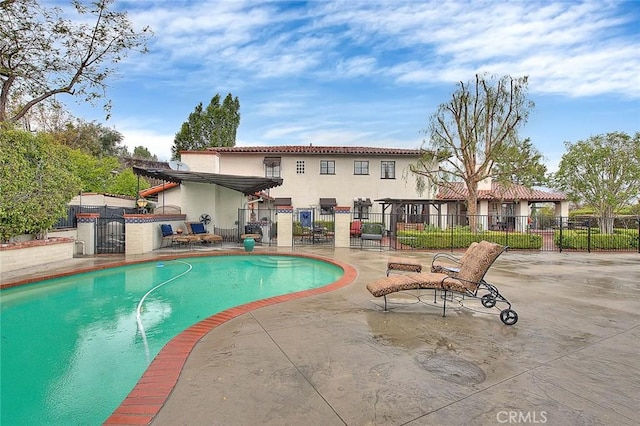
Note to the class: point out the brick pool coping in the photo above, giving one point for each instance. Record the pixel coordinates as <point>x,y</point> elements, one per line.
<point>156,384</point>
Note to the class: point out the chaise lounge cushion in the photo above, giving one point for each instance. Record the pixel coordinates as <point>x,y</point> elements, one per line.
<point>166,230</point>
<point>198,230</point>
<point>395,283</point>
<point>403,264</point>
<point>447,264</point>
<point>475,266</point>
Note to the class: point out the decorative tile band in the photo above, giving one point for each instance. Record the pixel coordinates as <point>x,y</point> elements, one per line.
<point>152,218</point>
<point>87,217</point>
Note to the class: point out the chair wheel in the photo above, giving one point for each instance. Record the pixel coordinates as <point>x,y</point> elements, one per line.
<point>509,316</point>
<point>488,301</point>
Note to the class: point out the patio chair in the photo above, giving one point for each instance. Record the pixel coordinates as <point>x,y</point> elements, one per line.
<point>198,230</point>
<point>173,238</point>
<point>167,234</point>
<point>371,232</point>
<point>467,282</point>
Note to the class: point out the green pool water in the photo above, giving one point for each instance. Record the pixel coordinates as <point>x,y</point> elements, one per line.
<point>72,348</point>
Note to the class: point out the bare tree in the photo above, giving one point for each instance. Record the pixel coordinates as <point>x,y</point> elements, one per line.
<point>474,136</point>
<point>43,54</point>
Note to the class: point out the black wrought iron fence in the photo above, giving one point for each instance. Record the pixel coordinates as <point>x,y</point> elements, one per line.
<point>110,235</point>
<point>544,233</point>
<point>313,225</point>
<point>70,220</point>
<point>262,223</point>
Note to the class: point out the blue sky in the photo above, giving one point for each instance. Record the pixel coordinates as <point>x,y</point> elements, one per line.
<point>371,73</point>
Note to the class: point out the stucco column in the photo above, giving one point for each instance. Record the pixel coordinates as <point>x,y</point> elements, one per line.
<point>342,224</point>
<point>522,216</point>
<point>87,231</point>
<point>139,233</point>
<point>285,226</point>
<point>483,214</point>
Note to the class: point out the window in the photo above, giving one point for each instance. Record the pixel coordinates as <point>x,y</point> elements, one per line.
<point>300,167</point>
<point>272,167</point>
<point>360,167</point>
<point>388,170</point>
<point>327,167</point>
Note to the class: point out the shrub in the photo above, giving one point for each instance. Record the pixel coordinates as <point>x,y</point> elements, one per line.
<point>444,239</point>
<point>581,240</point>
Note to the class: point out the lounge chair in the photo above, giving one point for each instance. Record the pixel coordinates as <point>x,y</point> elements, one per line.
<point>441,262</point>
<point>450,264</point>
<point>170,237</point>
<point>198,230</point>
<point>467,282</point>
<point>167,234</point>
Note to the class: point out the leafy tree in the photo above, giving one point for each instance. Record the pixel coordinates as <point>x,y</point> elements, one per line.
<point>126,183</point>
<point>143,153</point>
<point>43,54</point>
<point>474,136</point>
<point>603,172</point>
<point>95,174</point>
<point>215,125</point>
<point>35,189</point>
<point>91,138</point>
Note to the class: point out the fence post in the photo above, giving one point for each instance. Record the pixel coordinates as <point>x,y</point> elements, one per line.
<point>589,236</point>
<point>451,227</point>
<point>560,238</point>
<point>87,231</point>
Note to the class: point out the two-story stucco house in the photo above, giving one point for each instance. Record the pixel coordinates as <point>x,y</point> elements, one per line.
<point>368,180</point>
<point>318,176</point>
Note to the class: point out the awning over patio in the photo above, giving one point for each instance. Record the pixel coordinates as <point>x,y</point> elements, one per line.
<point>248,185</point>
<point>328,203</point>
<point>284,201</point>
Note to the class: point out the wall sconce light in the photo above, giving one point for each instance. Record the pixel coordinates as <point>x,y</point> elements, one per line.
<point>142,203</point>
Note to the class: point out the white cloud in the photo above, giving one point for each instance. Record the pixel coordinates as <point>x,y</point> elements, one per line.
<point>157,143</point>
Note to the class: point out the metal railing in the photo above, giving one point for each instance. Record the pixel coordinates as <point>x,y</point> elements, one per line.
<point>70,220</point>
<point>541,233</point>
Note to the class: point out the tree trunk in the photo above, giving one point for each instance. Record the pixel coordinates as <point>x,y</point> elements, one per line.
<point>472,208</point>
<point>605,222</point>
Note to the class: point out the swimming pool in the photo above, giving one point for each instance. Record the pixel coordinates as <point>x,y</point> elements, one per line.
<point>72,348</point>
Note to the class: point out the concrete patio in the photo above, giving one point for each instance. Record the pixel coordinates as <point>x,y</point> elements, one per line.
<point>573,358</point>
<point>338,359</point>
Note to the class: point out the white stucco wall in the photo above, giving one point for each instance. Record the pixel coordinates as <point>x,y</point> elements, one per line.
<point>306,189</point>
<point>221,204</point>
<point>169,197</point>
<point>93,199</point>
<point>202,161</point>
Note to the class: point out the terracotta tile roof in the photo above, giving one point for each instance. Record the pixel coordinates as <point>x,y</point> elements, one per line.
<point>157,189</point>
<point>499,192</point>
<point>318,150</point>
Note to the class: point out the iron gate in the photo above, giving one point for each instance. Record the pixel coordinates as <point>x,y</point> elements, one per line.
<point>260,222</point>
<point>110,235</point>
<point>313,225</point>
